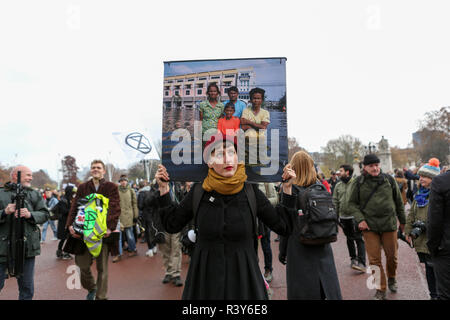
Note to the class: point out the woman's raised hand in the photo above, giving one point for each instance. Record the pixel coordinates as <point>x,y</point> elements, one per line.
<point>288,178</point>
<point>162,178</point>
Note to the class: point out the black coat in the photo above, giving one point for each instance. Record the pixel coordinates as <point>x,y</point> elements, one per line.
<point>149,205</point>
<point>224,264</point>
<point>62,209</point>
<point>308,268</point>
<point>438,220</point>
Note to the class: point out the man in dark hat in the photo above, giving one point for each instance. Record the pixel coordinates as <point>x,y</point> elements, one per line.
<point>376,203</point>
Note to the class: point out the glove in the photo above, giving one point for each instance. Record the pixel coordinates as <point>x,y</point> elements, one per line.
<point>282,259</point>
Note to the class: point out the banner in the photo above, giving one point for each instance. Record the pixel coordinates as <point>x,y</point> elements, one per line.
<point>243,98</point>
<point>136,146</point>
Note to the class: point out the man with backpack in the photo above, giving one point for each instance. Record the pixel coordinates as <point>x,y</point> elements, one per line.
<point>376,203</point>
<point>347,221</point>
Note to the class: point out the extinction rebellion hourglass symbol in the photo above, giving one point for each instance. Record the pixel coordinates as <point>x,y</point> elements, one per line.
<point>138,142</point>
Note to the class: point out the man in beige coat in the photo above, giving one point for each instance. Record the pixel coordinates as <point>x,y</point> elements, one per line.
<point>129,213</point>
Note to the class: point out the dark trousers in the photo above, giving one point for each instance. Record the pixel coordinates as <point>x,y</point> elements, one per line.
<point>429,273</point>
<point>354,236</point>
<point>148,238</point>
<point>441,265</point>
<point>267,251</point>
<point>25,282</point>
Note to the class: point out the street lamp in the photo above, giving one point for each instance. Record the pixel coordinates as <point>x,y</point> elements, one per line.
<point>371,148</point>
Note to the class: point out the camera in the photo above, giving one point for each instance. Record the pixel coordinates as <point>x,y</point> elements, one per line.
<point>418,228</point>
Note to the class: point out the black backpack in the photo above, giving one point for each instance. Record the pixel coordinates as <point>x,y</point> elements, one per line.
<point>317,219</point>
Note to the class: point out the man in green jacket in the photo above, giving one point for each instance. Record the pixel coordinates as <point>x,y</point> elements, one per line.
<point>35,212</point>
<point>341,196</point>
<point>376,203</point>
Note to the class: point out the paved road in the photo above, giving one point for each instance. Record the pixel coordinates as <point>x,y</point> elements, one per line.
<point>139,278</point>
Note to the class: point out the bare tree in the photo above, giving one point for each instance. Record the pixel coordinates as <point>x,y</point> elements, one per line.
<point>69,170</point>
<point>433,138</point>
<point>41,180</point>
<point>293,147</point>
<point>343,150</point>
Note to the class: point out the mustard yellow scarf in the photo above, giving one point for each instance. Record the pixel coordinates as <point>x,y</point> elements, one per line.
<point>224,185</point>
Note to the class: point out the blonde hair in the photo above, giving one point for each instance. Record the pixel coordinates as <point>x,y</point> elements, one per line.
<point>303,165</point>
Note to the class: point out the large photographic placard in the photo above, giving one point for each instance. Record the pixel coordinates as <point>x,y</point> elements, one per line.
<point>241,97</point>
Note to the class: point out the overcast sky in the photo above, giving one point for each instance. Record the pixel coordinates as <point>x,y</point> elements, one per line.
<point>73,72</point>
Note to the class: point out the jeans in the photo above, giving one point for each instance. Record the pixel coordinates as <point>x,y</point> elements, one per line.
<point>25,282</point>
<point>130,239</point>
<point>353,236</point>
<point>45,227</point>
<point>265,246</point>
<point>120,243</point>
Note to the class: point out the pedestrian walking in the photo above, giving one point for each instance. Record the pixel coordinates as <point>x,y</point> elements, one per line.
<point>415,228</point>
<point>438,232</point>
<point>355,241</point>
<point>51,201</point>
<point>377,204</point>
<point>97,290</point>
<point>129,213</point>
<point>310,269</point>
<point>61,210</point>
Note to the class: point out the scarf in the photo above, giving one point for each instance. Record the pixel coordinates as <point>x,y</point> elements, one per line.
<point>346,179</point>
<point>421,197</point>
<point>223,185</point>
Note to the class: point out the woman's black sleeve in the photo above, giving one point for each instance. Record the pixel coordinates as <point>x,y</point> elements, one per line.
<point>278,218</point>
<point>175,216</point>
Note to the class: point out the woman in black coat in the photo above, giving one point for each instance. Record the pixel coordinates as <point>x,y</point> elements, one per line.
<point>310,270</point>
<point>224,263</point>
<point>62,210</point>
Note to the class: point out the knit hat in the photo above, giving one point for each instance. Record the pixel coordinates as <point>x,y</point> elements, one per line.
<point>370,159</point>
<point>431,169</point>
<point>123,177</point>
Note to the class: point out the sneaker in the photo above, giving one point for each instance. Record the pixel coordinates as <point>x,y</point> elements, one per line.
<point>54,238</point>
<point>42,241</point>
<point>379,295</point>
<point>392,284</point>
<point>155,249</point>
<point>132,253</point>
<point>91,295</point>
<point>353,263</point>
<point>277,239</point>
<point>177,281</point>
<point>59,254</point>
<point>117,259</point>
<point>268,276</point>
<point>149,253</point>
<point>167,278</point>
<point>359,266</point>
<point>66,256</point>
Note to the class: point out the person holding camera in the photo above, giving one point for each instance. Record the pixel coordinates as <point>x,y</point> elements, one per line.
<point>34,212</point>
<point>415,228</point>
